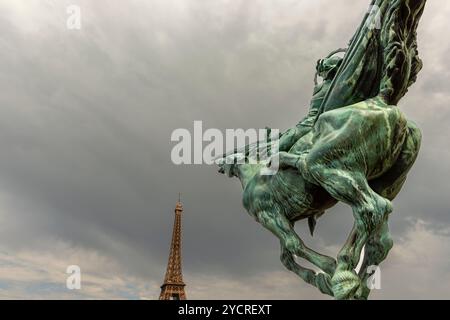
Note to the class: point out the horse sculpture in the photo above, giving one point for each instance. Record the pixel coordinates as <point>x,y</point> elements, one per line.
<point>355,146</point>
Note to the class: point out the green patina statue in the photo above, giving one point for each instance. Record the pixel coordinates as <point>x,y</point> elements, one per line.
<point>354,146</point>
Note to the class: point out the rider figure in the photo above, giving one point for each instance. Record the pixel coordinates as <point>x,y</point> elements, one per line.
<point>326,69</point>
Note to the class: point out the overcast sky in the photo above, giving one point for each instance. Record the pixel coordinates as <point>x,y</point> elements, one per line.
<point>85,123</point>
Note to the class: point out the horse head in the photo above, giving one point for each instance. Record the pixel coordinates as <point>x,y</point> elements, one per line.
<point>239,166</point>
<point>228,165</point>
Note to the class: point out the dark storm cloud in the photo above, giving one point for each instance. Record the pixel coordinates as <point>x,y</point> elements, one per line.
<point>86,118</point>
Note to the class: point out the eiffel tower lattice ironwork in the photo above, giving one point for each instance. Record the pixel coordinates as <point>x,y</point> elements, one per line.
<point>173,286</point>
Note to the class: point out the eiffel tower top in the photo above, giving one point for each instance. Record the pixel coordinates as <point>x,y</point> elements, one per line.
<point>173,286</point>
<point>179,207</point>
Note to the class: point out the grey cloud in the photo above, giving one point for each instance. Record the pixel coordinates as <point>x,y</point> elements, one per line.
<point>86,118</point>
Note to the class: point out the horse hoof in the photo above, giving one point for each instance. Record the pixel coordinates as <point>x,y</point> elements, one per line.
<point>345,284</point>
<point>323,283</point>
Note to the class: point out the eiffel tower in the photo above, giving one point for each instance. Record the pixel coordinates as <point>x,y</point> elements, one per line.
<point>173,287</point>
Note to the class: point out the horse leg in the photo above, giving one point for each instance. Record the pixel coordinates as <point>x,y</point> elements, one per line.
<point>351,187</point>
<point>369,211</point>
<point>345,282</point>
<point>282,228</point>
<point>321,281</point>
<point>389,185</point>
<point>375,252</point>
